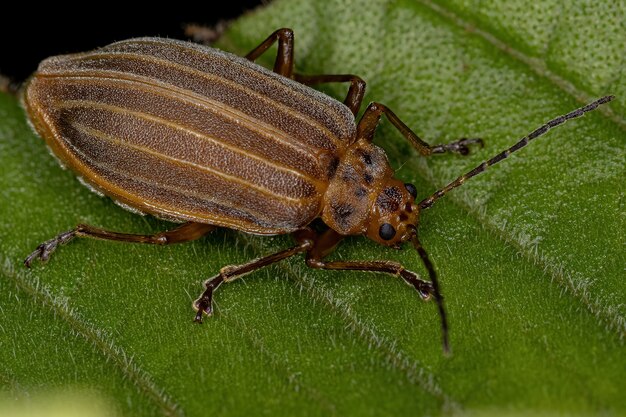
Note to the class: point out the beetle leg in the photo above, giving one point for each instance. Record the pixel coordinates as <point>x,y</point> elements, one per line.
<point>373,113</point>
<point>183,233</point>
<point>204,304</point>
<point>326,243</point>
<point>423,288</point>
<point>284,58</point>
<point>284,66</point>
<point>353,99</point>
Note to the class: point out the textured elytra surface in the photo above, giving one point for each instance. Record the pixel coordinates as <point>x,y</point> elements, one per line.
<point>530,254</point>
<point>188,132</point>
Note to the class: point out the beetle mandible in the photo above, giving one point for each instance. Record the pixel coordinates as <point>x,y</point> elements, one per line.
<point>192,134</point>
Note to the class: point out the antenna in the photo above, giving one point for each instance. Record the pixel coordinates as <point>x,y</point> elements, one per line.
<point>438,297</point>
<point>427,202</point>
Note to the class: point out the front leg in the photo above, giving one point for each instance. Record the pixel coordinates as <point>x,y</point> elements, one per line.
<point>424,288</point>
<point>324,245</point>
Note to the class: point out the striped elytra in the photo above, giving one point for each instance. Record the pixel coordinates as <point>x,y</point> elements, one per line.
<point>196,135</point>
<point>191,133</point>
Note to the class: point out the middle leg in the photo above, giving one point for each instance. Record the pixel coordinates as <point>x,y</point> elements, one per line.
<point>325,243</point>
<point>284,65</point>
<point>204,304</point>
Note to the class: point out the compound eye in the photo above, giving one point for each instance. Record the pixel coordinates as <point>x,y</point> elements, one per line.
<point>386,231</point>
<point>411,189</point>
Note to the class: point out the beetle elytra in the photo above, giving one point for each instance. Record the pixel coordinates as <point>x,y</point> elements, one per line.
<point>192,134</point>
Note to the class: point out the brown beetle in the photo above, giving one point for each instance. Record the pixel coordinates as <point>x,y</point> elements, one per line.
<point>193,134</point>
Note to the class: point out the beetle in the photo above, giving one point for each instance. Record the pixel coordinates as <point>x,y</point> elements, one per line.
<point>196,135</point>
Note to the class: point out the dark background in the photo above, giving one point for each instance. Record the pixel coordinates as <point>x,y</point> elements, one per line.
<point>28,34</point>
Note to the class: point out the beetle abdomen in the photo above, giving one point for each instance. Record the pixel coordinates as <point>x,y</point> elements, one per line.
<point>188,132</point>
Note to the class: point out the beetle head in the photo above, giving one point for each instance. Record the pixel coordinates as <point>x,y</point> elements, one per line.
<point>394,214</point>
<point>363,197</point>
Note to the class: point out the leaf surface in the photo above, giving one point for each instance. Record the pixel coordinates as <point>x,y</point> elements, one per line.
<point>530,254</point>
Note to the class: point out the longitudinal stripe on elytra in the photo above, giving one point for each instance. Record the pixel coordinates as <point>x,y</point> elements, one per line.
<point>246,72</point>
<point>169,92</point>
<point>268,100</point>
<point>117,141</point>
<point>259,159</point>
<point>252,217</point>
<point>179,110</point>
<point>260,217</point>
<point>181,146</point>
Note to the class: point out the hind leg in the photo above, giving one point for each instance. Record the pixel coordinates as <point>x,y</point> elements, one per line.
<point>183,233</point>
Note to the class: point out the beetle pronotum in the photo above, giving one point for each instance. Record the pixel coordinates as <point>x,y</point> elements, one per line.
<point>196,135</point>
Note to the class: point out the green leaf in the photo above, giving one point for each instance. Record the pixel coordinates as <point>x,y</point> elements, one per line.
<point>530,254</point>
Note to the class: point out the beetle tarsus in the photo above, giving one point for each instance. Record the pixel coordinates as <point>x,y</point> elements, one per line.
<point>425,289</point>
<point>44,250</point>
<point>461,146</point>
<point>203,307</point>
<point>204,304</point>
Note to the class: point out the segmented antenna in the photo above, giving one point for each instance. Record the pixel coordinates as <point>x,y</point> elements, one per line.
<point>438,297</point>
<point>427,202</point>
